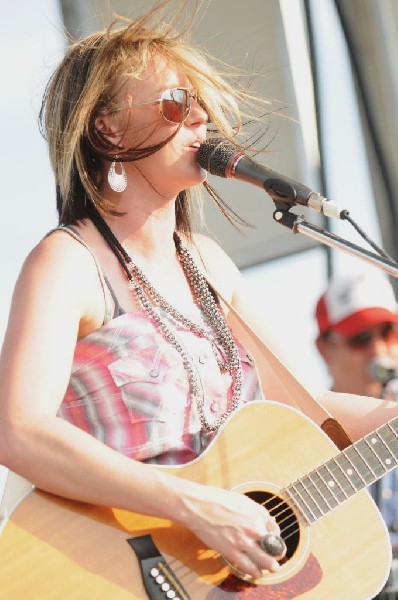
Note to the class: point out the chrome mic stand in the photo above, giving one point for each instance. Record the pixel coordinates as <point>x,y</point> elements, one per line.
<point>298,225</point>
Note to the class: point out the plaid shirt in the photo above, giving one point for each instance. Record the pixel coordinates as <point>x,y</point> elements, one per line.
<point>129,388</point>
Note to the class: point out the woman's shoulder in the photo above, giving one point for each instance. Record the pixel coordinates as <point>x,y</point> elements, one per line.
<point>60,274</point>
<point>60,250</point>
<point>58,261</point>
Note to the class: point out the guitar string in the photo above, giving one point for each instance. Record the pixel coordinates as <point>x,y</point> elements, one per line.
<point>282,511</point>
<point>285,507</point>
<point>340,494</point>
<point>187,578</point>
<point>295,496</point>
<point>185,575</point>
<point>173,581</point>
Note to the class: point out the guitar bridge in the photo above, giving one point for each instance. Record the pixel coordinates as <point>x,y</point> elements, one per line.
<point>159,579</point>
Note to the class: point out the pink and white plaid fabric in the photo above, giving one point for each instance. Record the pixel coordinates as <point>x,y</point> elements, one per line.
<point>129,389</point>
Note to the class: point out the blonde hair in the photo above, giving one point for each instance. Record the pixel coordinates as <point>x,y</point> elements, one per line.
<point>84,85</point>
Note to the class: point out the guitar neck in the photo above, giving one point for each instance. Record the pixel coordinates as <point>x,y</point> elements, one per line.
<point>355,468</point>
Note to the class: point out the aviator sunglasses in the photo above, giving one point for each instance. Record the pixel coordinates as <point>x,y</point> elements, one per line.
<point>174,104</point>
<point>387,332</point>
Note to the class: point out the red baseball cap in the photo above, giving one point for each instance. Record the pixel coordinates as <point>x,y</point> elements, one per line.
<point>352,304</point>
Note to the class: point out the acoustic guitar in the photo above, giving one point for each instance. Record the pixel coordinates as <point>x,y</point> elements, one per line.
<point>337,543</point>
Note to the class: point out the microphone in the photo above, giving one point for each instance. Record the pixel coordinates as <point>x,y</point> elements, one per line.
<point>386,372</point>
<point>221,158</point>
<point>383,370</point>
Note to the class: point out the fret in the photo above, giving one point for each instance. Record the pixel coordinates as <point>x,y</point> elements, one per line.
<point>389,432</point>
<point>332,477</point>
<point>382,450</point>
<point>350,481</point>
<point>370,458</point>
<point>353,469</point>
<point>393,425</point>
<point>321,492</point>
<point>378,467</point>
<point>359,463</point>
<point>306,504</point>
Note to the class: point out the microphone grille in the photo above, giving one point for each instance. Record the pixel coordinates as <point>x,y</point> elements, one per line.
<point>383,370</point>
<point>215,155</point>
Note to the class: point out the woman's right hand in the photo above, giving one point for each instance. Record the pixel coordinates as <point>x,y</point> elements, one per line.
<point>233,524</point>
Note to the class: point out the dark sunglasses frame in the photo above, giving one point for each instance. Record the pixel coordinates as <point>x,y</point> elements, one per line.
<point>169,104</point>
<point>362,340</point>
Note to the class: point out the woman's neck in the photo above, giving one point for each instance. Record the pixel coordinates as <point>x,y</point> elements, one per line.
<point>150,233</point>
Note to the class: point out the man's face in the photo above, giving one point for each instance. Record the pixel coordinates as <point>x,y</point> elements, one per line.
<point>349,359</point>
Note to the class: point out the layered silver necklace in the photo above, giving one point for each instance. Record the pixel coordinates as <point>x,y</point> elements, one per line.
<point>220,333</point>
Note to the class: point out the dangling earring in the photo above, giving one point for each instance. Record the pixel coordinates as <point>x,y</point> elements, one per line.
<point>117,181</point>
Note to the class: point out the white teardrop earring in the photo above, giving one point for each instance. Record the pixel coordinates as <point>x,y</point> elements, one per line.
<point>117,181</point>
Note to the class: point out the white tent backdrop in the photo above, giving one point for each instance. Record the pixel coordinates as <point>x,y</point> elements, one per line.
<point>252,37</point>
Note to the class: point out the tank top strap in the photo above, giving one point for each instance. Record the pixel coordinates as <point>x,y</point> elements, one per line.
<point>108,296</point>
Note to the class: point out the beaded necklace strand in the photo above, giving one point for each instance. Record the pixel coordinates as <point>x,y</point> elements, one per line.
<point>148,297</point>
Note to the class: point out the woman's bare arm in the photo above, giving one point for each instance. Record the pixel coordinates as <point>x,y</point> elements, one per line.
<point>57,295</point>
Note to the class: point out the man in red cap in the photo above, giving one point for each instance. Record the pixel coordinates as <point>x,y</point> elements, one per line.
<point>357,320</point>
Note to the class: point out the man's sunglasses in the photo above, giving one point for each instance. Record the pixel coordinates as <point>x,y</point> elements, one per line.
<point>387,332</point>
<point>174,104</point>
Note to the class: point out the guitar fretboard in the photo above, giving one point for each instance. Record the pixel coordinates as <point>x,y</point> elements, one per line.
<point>357,467</point>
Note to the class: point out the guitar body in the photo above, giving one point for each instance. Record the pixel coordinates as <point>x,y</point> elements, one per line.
<point>57,549</point>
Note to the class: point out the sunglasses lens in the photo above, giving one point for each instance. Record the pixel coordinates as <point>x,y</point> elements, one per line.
<point>175,105</point>
<point>361,340</point>
<point>388,333</point>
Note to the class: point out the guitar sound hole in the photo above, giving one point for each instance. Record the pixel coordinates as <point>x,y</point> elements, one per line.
<point>284,516</point>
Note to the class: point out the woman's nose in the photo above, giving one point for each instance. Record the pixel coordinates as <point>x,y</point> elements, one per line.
<point>197,114</point>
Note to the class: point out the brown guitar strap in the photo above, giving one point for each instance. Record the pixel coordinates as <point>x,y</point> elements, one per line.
<point>284,382</point>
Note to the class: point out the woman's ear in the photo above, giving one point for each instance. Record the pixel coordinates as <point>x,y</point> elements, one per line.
<point>323,347</point>
<point>109,128</point>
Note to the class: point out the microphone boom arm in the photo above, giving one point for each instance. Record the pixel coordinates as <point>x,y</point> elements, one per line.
<point>299,225</point>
